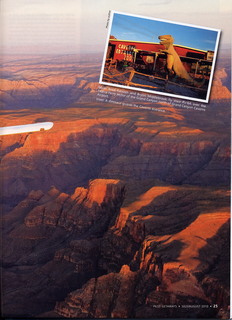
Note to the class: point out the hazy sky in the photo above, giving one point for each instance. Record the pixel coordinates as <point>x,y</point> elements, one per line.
<point>69,26</point>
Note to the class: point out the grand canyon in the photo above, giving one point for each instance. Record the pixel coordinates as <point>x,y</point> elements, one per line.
<point>116,211</point>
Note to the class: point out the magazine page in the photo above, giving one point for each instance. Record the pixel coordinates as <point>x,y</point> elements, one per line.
<point>115,159</point>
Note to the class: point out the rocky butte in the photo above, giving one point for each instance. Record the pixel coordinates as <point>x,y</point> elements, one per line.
<point>114,211</point>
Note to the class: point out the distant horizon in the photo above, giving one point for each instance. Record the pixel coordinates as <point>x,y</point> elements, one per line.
<point>225,46</point>
<point>71,26</point>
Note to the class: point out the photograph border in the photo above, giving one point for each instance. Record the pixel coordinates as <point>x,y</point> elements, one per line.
<point>109,26</point>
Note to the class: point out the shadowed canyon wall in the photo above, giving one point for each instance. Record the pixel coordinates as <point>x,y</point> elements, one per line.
<point>116,211</point>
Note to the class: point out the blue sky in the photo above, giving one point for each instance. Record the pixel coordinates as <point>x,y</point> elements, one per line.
<point>126,27</point>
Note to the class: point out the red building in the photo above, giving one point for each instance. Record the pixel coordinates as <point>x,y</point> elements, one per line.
<point>147,56</point>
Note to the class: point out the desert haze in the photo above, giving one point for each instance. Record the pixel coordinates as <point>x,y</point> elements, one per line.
<point>114,210</point>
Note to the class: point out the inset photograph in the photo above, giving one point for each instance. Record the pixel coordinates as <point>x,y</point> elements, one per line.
<point>159,56</point>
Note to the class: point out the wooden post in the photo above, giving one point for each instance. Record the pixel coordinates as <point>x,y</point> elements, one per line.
<point>154,66</point>
<point>197,65</point>
<point>130,77</point>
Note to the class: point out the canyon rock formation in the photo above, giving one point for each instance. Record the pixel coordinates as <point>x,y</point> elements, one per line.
<point>117,211</point>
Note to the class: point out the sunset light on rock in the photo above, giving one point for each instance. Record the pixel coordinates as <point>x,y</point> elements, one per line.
<point>115,152</point>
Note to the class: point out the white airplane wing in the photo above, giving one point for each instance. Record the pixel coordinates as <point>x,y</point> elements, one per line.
<point>40,126</point>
